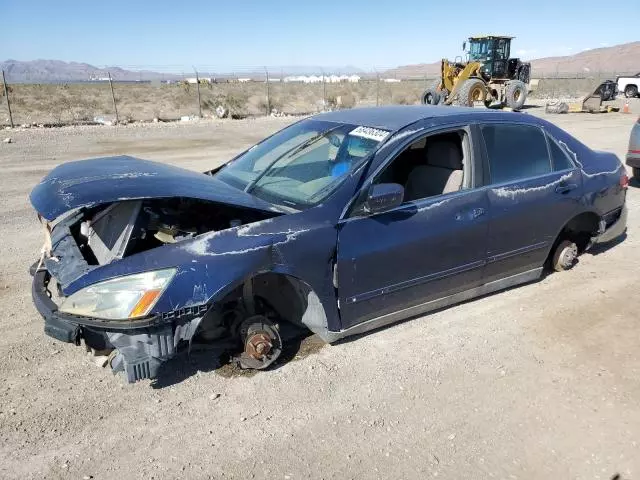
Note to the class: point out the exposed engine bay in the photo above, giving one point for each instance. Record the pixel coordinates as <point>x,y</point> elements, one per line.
<point>91,237</point>
<point>122,229</point>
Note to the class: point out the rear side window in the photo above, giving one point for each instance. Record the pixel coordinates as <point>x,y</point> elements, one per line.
<point>559,157</point>
<point>515,152</point>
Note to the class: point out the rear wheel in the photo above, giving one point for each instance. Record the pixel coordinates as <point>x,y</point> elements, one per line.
<point>516,94</point>
<point>631,91</point>
<point>565,256</point>
<point>472,90</point>
<point>636,173</point>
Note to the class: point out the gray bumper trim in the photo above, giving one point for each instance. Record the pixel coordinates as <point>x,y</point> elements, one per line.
<point>616,229</point>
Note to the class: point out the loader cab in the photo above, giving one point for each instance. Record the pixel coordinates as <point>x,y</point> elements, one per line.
<point>492,52</point>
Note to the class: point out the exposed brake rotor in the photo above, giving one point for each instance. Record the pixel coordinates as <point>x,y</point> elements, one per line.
<point>261,341</point>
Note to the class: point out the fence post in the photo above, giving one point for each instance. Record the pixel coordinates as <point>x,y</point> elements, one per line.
<point>324,91</point>
<point>198,90</point>
<point>268,92</point>
<point>113,97</point>
<point>6,94</point>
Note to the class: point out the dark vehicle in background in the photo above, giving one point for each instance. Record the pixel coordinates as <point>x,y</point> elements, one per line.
<point>338,224</point>
<point>633,153</point>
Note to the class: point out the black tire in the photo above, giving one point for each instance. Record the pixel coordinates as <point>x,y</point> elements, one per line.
<point>430,97</point>
<point>524,74</point>
<point>631,91</point>
<point>636,172</point>
<point>472,90</point>
<point>516,94</point>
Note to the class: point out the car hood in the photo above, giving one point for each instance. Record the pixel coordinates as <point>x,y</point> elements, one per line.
<point>87,183</point>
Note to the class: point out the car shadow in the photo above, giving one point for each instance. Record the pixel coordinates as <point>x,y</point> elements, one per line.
<point>204,358</point>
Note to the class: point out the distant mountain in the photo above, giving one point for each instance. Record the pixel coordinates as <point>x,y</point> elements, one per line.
<point>619,58</point>
<point>45,71</point>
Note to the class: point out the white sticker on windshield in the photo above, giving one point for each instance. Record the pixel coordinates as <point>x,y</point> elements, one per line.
<point>369,132</point>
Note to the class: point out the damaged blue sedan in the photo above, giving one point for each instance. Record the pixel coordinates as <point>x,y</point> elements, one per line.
<point>338,224</point>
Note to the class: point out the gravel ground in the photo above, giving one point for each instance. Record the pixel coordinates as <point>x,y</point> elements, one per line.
<point>539,381</point>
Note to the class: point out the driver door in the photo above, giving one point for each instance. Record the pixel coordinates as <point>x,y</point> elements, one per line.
<point>422,250</point>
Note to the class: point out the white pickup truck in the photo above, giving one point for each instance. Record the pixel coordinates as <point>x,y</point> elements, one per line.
<point>630,86</point>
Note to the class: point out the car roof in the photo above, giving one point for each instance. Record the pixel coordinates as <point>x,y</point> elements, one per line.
<point>395,117</point>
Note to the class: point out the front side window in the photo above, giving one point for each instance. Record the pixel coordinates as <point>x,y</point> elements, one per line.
<point>515,152</point>
<point>430,166</point>
<point>302,164</point>
<point>478,49</point>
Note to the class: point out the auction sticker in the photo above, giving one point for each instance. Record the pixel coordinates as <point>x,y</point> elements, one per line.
<point>370,132</point>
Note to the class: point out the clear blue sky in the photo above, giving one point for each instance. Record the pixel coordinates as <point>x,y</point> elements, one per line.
<point>230,35</point>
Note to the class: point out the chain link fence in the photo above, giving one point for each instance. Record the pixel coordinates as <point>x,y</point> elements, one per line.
<point>246,93</point>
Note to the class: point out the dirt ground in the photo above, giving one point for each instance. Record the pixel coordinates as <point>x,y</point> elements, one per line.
<point>541,381</point>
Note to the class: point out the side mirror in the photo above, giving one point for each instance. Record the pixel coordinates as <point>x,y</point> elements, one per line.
<point>383,197</point>
<point>464,46</point>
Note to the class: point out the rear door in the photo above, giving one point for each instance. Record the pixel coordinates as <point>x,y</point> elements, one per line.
<point>533,190</point>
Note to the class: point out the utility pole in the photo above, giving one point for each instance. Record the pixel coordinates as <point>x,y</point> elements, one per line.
<point>268,92</point>
<point>198,90</point>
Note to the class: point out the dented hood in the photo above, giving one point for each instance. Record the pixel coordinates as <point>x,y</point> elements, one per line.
<point>87,183</point>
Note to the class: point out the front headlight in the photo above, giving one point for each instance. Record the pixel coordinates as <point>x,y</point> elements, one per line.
<point>121,298</point>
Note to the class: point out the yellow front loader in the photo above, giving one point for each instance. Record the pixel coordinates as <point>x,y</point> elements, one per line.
<point>488,76</point>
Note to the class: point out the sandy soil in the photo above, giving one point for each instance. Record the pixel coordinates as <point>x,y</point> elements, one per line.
<point>540,381</point>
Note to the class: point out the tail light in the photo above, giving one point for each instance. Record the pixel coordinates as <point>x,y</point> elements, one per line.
<point>624,181</point>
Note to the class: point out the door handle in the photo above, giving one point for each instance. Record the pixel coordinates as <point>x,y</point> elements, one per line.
<point>566,188</point>
<point>477,212</point>
<point>470,214</point>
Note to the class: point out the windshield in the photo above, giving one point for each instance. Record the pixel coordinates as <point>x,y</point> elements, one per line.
<point>478,49</point>
<point>302,164</point>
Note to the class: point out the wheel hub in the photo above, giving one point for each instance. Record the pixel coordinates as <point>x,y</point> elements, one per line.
<point>568,256</point>
<point>261,342</point>
<point>258,345</point>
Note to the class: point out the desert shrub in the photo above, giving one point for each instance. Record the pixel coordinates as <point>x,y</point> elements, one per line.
<point>400,98</point>
<point>275,103</point>
<point>341,100</point>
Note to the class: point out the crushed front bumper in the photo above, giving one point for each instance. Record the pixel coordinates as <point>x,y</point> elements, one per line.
<point>141,347</point>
